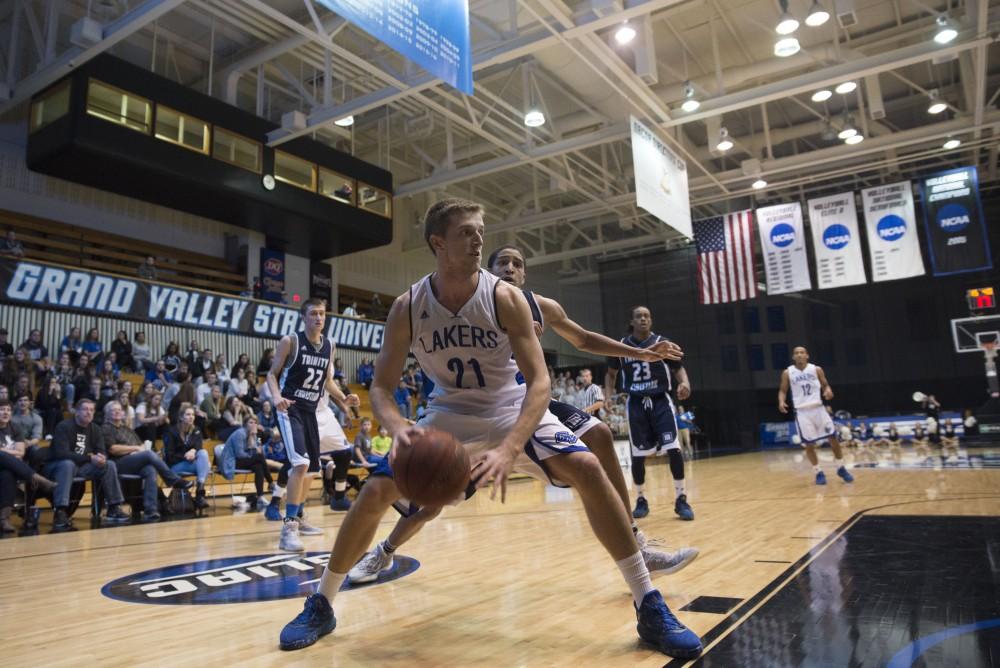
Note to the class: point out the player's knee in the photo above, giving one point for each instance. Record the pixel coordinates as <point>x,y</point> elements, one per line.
<point>582,468</point>
<point>378,491</point>
<point>599,439</point>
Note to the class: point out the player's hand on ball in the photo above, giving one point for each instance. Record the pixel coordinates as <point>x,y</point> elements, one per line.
<point>665,350</point>
<point>282,404</point>
<point>400,441</point>
<point>495,464</point>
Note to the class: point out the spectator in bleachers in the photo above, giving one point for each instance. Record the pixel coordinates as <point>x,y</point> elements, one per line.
<point>267,418</point>
<point>72,344</point>
<point>402,397</point>
<point>38,352</point>
<point>142,355</point>
<point>381,443</point>
<point>11,247</point>
<point>193,353</point>
<point>410,379</point>
<point>363,445</point>
<point>238,384</point>
<point>265,362</point>
<point>109,379</point>
<point>242,363</point>
<point>147,269</point>
<point>352,310</point>
<point>7,377</point>
<point>202,366</point>
<point>13,467</point>
<point>421,410</point>
<point>24,385</point>
<point>82,375</point>
<point>209,380</point>
<point>78,450</point>
<point>124,399</point>
<point>93,392</point>
<point>49,405</point>
<point>113,358</point>
<point>20,365</point>
<point>185,395</point>
<point>132,458</point>
<point>366,373</point>
<point>233,415</point>
<point>4,393</point>
<point>174,383</point>
<point>158,376</point>
<point>378,310</point>
<point>172,358</point>
<point>222,371</point>
<point>93,346</point>
<point>182,448</point>
<point>151,419</point>
<point>122,349</point>
<point>65,373</point>
<point>27,424</point>
<point>6,348</point>
<point>250,455</point>
<point>211,406</point>
<point>338,370</point>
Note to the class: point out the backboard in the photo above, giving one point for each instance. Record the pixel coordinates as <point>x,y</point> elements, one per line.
<point>970,333</point>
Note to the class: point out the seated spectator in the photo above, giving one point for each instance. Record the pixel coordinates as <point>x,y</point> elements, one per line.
<point>92,391</point>
<point>366,373</point>
<point>204,388</point>
<point>78,450</point>
<point>345,193</point>
<point>147,269</point>
<point>193,353</point>
<point>6,348</point>
<point>186,395</point>
<point>267,418</point>
<point>82,375</point>
<point>265,362</point>
<point>402,397</point>
<point>93,347</point>
<point>142,355</point>
<point>242,363</point>
<point>122,349</point>
<point>421,409</point>
<point>24,385</point>
<point>338,370</point>
<point>124,399</point>
<point>378,310</point>
<point>233,415</point>
<point>64,373</point>
<point>49,405</point>
<point>27,424</point>
<point>151,419</point>
<point>352,310</point>
<point>202,366</point>
<point>72,344</point>
<point>250,455</point>
<point>412,383</point>
<point>222,371</point>
<point>13,468</point>
<point>182,447</point>
<point>381,443</point>
<point>239,386</point>
<point>211,406</point>
<point>19,365</point>
<point>10,247</point>
<point>172,358</point>
<point>146,395</point>
<point>158,376</point>
<point>109,379</point>
<point>363,445</point>
<point>132,458</point>
<point>174,383</point>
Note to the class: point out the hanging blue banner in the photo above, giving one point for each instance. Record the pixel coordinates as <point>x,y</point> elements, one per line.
<point>432,33</point>
<point>953,218</point>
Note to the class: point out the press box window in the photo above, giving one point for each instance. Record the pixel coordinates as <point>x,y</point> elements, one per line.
<point>294,171</point>
<point>118,106</point>
<point>236,150</point>
<point>375,200</point>
<point>50,106</point>
<point>178,128</point>
<point>337,186</point>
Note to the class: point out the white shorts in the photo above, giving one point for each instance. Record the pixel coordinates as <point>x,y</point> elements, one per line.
<point>331,435</point>
<point>814,424</point>
<point>479,434</point>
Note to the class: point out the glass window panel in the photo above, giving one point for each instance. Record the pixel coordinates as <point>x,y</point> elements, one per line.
<point>337,186</point>
<point>178,128</point>
<point>375,200</point>
<point>780,356</point>
<point>236,150</point>
<point>294,171</point>
<point>52,105</point>
<point>118,106</point>
<point>775,318</point>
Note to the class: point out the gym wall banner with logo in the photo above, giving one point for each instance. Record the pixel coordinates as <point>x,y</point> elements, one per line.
<point>272,274</point>
<point>836,242</point>
<point>891,225</point>
<point>661,179</point>
<point>953,218</point>
<point>783,242</point>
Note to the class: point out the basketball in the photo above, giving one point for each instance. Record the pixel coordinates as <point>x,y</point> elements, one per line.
<point>434,470</point>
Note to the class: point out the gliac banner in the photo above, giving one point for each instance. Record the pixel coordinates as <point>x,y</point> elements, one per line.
<point>783,243</point>
<point>892,232</point>
<point>953,218</point>
<point>834,223</point>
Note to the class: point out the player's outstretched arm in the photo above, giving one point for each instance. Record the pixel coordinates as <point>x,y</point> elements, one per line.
<point>783,392</point>
<point>284,348</point>
<point>824,385</point>
<point>389,364</point>
<point>598,344</point>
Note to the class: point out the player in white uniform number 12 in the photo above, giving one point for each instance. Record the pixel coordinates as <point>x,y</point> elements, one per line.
<point>465,328</point>
<point>809,388</point>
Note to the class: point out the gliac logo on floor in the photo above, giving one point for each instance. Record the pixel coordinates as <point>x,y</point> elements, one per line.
<point>953,218</point>
<point>782,235</point>
<point>836,236</point>
<point>237,579</point>
<point>891,228</point>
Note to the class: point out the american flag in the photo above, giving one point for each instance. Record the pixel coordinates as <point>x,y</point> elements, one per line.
<point>725,258</point>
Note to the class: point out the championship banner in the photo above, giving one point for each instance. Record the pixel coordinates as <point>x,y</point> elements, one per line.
<point>661,179</point>
<point>783,244</point>
<point>272,274</point>
<point>892,232</point>
<point>836,242</point>
<point>953,218</point>
<point>321,283</point>
<point>82,291</point>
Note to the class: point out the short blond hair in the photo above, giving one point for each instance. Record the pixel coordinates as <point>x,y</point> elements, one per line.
<point>440,213</point>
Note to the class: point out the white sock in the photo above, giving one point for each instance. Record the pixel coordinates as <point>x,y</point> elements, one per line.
<point>278,492</point>
<point>636,576</point>
<point>339,485</point>
<point>329,584</point>
<point>817,469</point>
<point>639,490</point>
<point>839,461</point>
<point>678,487</point>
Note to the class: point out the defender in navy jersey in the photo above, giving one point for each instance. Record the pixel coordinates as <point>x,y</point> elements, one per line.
<point>300,371</point>
<point>652,420</point>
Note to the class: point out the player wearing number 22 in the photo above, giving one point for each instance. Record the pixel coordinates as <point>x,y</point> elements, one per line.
<point>466,327</point>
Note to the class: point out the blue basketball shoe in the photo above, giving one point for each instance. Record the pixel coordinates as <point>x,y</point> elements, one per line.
<point>683,509</point>
<point>315,621</point>
<point>658,626</point>
<point>641,508</point>
<point>273,512</point>
<point>842,472</point>
<point>820,478</point>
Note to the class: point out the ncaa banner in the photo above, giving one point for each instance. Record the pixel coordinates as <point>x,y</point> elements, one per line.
<point>783,243</point>
<point>661,179</point>
<point>891,225</point>
<point>836,243</point>
<point>953,218</point>
<point>79,290</point>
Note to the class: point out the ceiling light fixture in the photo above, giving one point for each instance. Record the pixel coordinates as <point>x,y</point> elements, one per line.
<point>759,184</point>
<point>951,143</point>
<point>724,143</point>
<point>937,105</point>
<point>817,15</point>
<point>822,95</point>
<point>946,30</point>
<point>845,87</point>
<point>787,24</point>
<point>534,118</point>
<point>786,46</point>
<point>625,34</point>
<point>690,104</point>
<point>847,130</point>
<point>344,122</point>
<point>856,138</point>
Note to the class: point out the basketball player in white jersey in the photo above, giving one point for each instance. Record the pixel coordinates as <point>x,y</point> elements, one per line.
<point>809,388</point>
<point>465,328</point>
<point>507,263</point>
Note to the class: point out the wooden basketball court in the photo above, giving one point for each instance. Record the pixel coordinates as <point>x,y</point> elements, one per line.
<point>525,584</point>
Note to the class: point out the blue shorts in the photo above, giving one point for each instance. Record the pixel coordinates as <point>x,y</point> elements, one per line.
<point>574,419</point>
<point>300,433</point>
<point>652,424</point>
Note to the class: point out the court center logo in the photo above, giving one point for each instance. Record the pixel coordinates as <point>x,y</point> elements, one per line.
<point>267,577</point>
<point>782,235</point>
<point>891,228</point>
<point>836,237</point>
<point>953,218</point>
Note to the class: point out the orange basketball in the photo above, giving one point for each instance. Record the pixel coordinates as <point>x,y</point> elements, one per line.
<point>434,470</point>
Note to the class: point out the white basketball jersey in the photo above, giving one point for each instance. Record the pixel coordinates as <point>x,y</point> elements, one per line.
<point>466,354</point>
<point>805,386</point>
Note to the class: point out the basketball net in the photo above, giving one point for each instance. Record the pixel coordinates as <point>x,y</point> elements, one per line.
<point>990,355</point>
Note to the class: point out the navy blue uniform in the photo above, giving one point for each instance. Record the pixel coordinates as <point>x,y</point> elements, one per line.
<point>652,422</point>
<point>302,381</point>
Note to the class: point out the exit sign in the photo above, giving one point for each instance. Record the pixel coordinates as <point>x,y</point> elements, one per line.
<point>980,299</point>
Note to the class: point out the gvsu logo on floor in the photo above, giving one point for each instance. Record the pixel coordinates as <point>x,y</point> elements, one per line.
<point>836,237</point>
<point>891,228</point>
<point>782,235</point>
<point>236,579</point>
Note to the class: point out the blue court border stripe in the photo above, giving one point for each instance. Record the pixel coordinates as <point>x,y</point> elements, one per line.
<point>906,657</point>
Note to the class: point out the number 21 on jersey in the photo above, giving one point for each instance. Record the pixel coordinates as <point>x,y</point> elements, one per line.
<point>455,365</point>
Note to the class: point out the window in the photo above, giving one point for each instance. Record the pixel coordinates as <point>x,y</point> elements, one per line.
<point>51,105</point>
<point>751,320</point>
<point>375,200</point>
<point>337,186</point>
<point>236,150</point>
<point>730,359</point>
<point>775,318</point>
<point>725,319</point>
<point>755,357</point>
<point>856,353</point>
<point>119,107</point>
<point>820,316</point>
<point>181,129</point>
<point>294,171</point>
<point>780,357</point>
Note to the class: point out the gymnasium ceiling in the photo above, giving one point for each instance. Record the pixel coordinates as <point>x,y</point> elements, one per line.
<point>565,189</point>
